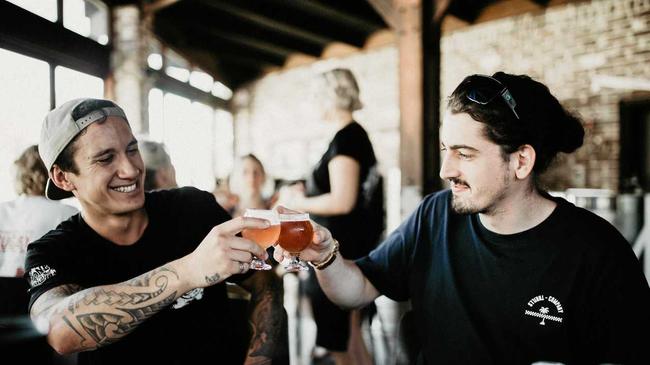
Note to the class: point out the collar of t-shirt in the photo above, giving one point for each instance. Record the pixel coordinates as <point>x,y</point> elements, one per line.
<point>525,239</point>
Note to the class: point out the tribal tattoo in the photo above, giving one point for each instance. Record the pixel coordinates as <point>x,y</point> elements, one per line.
<point>107,313</point>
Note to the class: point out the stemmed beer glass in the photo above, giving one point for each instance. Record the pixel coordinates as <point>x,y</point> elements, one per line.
<point>296,233</point>
<point>264,238</point>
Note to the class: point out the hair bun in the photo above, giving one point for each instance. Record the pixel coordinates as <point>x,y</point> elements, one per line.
<point>570,133</point>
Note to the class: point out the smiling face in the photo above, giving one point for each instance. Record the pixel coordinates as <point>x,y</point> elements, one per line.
<point>111,172</point>
<point>479,177</point>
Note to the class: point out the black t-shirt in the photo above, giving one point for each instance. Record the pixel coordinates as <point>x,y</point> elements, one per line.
<point>351,141</point>
<point>179,219</point>
<point>569,290</point>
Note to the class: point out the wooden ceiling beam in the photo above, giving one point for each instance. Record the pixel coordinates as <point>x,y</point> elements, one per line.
<point>321,10</point>
<point>155,6</point>
<point>252,43</point>
<point>249,36</point>
<point>268,23</point>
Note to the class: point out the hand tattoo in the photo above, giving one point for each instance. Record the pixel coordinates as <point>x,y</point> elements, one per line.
<point>212,279</point>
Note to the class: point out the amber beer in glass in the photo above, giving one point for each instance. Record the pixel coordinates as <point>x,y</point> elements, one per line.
<point>264,238</point>
<point>296,233</point>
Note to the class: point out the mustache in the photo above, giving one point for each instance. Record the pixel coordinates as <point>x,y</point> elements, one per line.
<point>457,181</point>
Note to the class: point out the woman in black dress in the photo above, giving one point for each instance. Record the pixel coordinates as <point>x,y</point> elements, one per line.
<point>333,195</point>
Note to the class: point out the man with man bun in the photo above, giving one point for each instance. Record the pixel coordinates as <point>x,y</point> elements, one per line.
<point>497,270</point>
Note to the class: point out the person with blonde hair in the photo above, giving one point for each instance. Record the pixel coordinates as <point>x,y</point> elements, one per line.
<point>22,221</point>
<point>335,196</point>
<point>29,216</point>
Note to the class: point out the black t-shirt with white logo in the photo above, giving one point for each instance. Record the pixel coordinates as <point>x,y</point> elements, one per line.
<point>193,329</point>
<point>569,290</point>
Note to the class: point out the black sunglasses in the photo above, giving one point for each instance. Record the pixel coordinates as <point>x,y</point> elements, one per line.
<point>483,89</point>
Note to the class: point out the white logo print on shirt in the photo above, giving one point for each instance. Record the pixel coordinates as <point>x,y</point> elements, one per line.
<point>185,299</point>
<point>546,308</point>
<point>38,274</point>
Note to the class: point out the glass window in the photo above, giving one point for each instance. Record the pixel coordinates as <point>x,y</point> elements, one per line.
<point>224,148</point>
<point>156,122</point>
<point>24,101</point>
<point>45,9</point>
<point>88,18</point>
<point>176,66</point>
<point>71,84</point>
<point>185,121</point>
<point>201,81</point>
<point>221,91</point>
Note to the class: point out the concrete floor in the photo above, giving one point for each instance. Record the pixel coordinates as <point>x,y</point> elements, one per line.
<point>380,336</point>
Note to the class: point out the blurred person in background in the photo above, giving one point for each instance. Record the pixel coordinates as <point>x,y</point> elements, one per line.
<point>226,198</point>
<point>22,221</point>
<point>497,270</point>
<point>141,276</point>
<point>160,173</point>
<point>336,197</point>
<point>248,183</point>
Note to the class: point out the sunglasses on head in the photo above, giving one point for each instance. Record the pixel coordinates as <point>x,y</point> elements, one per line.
<point>483,89</point>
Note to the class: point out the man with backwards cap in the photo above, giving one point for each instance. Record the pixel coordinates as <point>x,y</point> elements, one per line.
<point>139,277</point>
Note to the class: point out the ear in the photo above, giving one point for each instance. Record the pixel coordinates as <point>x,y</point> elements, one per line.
<point>61,179</point>
<point>523,160</point>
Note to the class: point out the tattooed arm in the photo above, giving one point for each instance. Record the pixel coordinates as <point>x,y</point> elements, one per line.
<point>85,319</point>
<point>267,318</point>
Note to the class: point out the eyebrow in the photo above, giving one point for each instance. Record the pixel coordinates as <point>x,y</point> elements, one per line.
<point>459,146</point>
<point>109,150</point>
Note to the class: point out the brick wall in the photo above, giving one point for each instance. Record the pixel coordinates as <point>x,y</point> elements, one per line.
<point>589,53</point>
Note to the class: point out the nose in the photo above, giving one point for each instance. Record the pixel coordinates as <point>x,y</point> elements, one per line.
<point>448,169</point>
<point>129,168</point>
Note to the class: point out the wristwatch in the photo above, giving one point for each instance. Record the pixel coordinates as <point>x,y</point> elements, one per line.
<point>328,261</point>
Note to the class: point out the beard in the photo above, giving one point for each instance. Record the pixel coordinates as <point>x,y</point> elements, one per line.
<point>489,205</point>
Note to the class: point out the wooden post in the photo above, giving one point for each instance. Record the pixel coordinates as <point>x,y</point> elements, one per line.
<point>409,35</point>
<point>418,28</point>
<point>432,13</point>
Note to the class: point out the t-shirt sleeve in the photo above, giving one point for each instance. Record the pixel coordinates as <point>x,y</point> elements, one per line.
<point>212,214</point>
<point>388,267</point>
<point>200,205</point>
<point>350,143</point>
<point>46,265</point>
<point>620,309</point>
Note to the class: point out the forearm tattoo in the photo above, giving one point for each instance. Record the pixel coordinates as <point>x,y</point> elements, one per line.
<point>268,322</point>
<point>103,315</point>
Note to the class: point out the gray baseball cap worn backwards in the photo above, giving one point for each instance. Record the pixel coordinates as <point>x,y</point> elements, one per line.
<point>63,124</point>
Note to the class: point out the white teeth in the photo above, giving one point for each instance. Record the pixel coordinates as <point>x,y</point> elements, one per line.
<point>125,189</point>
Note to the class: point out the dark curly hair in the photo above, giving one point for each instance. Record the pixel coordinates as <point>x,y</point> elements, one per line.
<point>543,122</point>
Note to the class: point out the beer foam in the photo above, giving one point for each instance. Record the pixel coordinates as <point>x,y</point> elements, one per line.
<point>268,214</point>
<point>295,217</point>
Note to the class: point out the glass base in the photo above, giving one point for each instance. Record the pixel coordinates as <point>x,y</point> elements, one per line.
<point>258,264</point>
<point>295,265</point>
